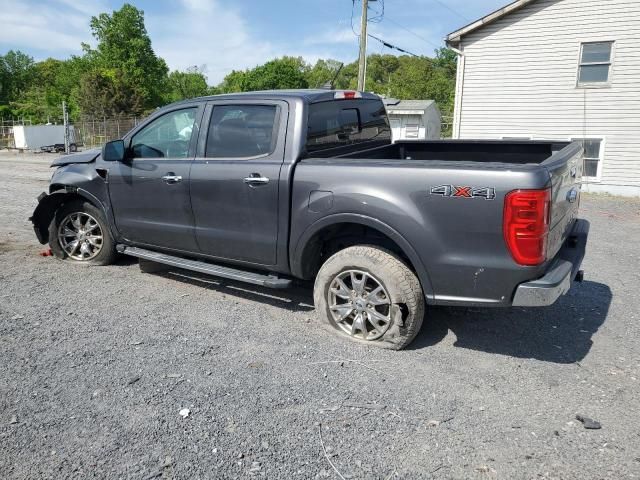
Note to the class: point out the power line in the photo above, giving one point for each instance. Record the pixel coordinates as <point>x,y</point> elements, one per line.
<point>353,7</point>
<point>451,10</point>
<point>412,32</point>
<point>379,14</point>
<point>393,47</point>
<point>376,19</point>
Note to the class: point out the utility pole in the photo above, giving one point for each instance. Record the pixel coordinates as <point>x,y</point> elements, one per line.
<point>65,120</point>
<point>362,61</point>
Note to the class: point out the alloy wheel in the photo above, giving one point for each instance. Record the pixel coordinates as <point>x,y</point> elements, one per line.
<point>80,236</point>
<point>360,305</point>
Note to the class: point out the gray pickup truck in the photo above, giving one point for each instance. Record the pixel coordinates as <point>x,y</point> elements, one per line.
<point>269,187</point>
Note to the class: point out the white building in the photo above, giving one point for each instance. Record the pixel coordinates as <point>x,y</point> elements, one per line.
<point>34,137</point>
<point>557,69</point>
<point>413,119</point>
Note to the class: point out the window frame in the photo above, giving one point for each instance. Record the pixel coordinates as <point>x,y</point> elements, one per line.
<point>414,133</point>
<point>277,148</point>
<point>602,140</point>
<point>363,115</point>
<point>581,64</point>
<point>128,139</point>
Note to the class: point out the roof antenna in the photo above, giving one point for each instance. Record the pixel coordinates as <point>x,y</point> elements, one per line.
<point>330,85</point>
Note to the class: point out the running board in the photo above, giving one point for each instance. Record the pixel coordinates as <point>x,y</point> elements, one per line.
<point>269,281</point>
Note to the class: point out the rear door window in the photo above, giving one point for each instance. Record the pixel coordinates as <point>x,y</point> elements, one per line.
<point>343,123</point>
<point>242,131</point>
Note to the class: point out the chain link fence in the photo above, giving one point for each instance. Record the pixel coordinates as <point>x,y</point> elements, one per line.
<point>447,127</point>
<point>6,130</point>
<point>89,131</point>
<point>94,132</point>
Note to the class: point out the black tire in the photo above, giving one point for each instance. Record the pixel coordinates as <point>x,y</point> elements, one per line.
<point>73,148</point>
<point>107,254</point>
<point>407,303</point>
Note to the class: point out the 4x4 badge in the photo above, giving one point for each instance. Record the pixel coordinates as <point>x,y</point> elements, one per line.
<point>487,193</point>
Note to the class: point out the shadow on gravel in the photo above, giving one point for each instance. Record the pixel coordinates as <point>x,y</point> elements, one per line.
<point>296,299</point>
<point>126,260</point>
<point>560,333</point>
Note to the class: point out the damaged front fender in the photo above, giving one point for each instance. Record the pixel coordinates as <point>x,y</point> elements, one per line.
<point>44,212</point>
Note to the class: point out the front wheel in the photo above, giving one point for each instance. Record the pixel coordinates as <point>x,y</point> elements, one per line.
<point>79,232</point>
<point>369,295</point>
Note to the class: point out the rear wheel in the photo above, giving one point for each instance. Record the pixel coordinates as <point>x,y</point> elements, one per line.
<point>79,233</point>
<point>369,295</point>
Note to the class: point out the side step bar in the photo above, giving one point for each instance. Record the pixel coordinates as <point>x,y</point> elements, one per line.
<point>269,281</point>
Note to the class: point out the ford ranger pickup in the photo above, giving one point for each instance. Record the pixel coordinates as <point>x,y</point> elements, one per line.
<point>270,187</point>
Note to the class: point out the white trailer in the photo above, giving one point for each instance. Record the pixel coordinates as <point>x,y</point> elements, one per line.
<point>413,119</point>
<point>43,137</point>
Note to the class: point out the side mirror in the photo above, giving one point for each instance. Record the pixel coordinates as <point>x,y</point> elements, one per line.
<point>113,151</point>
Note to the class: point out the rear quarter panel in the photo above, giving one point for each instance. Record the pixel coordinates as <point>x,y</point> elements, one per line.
<point>458,241</point>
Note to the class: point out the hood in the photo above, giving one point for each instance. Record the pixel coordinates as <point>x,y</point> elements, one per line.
<point>80,157</point>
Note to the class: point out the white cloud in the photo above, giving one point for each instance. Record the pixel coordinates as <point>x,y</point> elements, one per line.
<point>342,36</point>
<point>214,33</point>
<point>203,32</point>
<point>55,27</point>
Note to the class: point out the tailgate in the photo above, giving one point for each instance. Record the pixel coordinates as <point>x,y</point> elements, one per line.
<point>565,169</point>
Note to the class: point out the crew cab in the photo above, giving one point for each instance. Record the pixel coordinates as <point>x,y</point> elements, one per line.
<point>270,187</point>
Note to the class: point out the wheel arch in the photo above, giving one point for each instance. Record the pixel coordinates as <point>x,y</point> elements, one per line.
<point>49,205</point>
<point>311,248</point>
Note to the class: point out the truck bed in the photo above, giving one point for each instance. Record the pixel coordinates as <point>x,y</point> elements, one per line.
<point>411,187</point>
<point>494,151</point>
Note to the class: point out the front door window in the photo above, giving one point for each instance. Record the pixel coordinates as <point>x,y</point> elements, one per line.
<point>168,136</point>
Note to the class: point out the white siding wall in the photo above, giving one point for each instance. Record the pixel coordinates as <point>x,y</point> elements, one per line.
<point>520,73</point>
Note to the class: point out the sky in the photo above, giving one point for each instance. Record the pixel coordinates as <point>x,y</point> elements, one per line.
<point>222,35</point>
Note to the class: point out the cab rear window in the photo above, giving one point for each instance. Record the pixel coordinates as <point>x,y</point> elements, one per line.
<point>345,123</point>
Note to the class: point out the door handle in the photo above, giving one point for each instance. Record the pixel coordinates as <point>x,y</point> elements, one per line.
<point>256,179</point>
<point>171,178</point>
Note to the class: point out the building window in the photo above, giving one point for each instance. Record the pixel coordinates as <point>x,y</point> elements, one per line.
<point>595,63</point>
<point>592,156</point>
<point>412,131</point>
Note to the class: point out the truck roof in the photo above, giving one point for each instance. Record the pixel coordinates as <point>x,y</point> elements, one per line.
<point>306,95</point>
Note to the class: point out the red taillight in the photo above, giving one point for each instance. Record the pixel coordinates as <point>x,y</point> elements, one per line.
<point>347,95</point>
<point>526,225</point>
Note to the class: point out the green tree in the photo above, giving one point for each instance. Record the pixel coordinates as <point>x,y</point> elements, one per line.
<point>54,81</point>
<point>124,51</point>
<point>189,84</point>
<point>108,94</point>
<point>278,74</point>
<point>380,68</point>
<point>323,72</point>
<point>16,75</point>
<point>447,59</point>
<point>236,81</point>
<point>42,101</point>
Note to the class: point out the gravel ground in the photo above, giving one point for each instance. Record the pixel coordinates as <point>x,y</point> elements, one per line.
<point>97,363</point>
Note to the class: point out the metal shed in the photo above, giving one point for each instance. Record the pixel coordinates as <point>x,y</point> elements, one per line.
<point>413,119</point>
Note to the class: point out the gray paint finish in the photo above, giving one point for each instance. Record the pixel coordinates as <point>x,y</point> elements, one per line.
<point>455,245</point>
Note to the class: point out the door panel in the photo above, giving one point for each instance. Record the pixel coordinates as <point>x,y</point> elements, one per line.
<point>150,190</point>
<point>234,190</point>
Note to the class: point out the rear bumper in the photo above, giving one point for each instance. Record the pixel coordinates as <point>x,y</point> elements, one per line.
<point>560,275</point>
